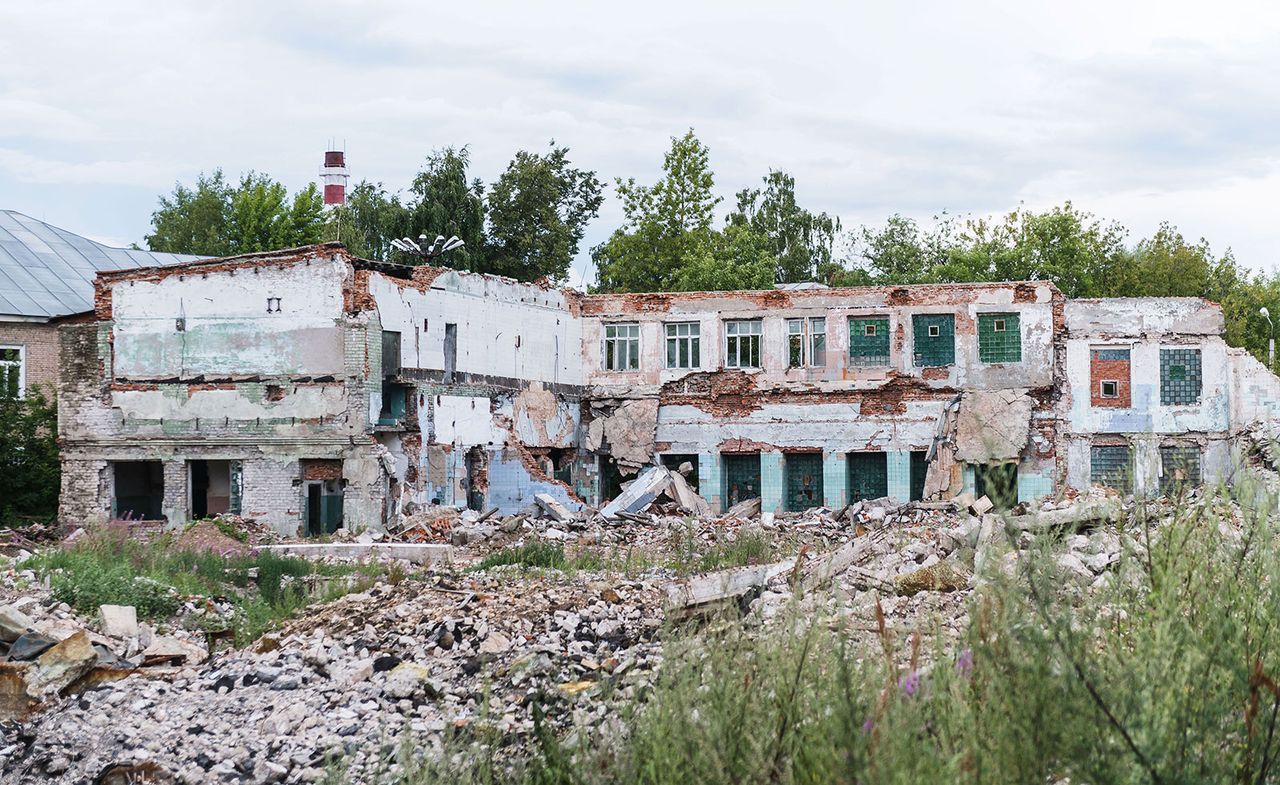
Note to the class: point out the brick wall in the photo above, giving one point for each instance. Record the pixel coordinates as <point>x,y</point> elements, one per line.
<point>40,344</point>
<point>1107,365</point>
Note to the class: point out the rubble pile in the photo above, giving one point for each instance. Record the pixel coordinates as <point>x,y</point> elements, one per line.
<point>350,678</point>
<point>474,652</point>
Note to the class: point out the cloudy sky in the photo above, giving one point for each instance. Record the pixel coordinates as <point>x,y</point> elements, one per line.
<point>1137,111</point>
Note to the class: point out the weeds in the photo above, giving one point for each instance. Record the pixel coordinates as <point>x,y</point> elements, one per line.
<point>1165,672</point>
<point>263,588</point>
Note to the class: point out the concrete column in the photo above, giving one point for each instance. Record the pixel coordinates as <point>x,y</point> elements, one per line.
<point>174,504</point>
<point>835,479</point>
<point>772,482</point>
<point>709,479</point>
<point>899,471</point>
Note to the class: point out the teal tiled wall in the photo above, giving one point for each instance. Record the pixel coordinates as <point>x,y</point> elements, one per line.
<point>1033,486</point>
<point>771,482</point>
<point>709,478</point>
<point>899,475</point>
<point>834,478</point>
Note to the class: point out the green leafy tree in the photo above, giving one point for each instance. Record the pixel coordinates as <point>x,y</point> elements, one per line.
<point>216,219</point>
<point>444,202</point>
<point>802,242</point>
<point>899,253</point>
<point>737,258</point>
<point>538,212</point>
<point>29,468</point>
<point>666,224</point>
<point>369,220</point>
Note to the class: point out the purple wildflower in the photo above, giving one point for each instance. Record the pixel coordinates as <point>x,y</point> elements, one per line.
<point>964,663</point>
<point>910,683</point>
<point>869,725</point>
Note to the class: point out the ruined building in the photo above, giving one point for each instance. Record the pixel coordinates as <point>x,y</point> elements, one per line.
<point>313,389</point>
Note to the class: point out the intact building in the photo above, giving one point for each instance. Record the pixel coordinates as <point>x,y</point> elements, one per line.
<point>313,389</point>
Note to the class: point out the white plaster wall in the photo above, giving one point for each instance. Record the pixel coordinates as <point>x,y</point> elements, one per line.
<point>505,328</point>
<point>304,402</point>
<point>228,330</point>
<point>1147,415</point>
<point>1255,391</point>
<point>464,420</point>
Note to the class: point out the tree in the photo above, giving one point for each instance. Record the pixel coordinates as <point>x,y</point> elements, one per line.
<point>538,212</point>
<point>900,252</point>
<point>214,219</point>
<point>369,220</point>
<point>802,242</point>
<point>666,224</point>
<point>737,258</point>
<point>445,203</point>
<point>29,468</point>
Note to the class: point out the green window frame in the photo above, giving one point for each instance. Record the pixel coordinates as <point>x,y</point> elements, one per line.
<point>934,338</point>
<point>868,341</point>
<point>999,338</point>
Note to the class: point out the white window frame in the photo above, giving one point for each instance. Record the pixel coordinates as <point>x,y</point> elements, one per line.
<point>1102,388</point>
<point>20,363</point>
<point>935,331</point>
<point>740,331</point>
<point>686,336</point>
<point>624,336</point>
<point>812,331</point>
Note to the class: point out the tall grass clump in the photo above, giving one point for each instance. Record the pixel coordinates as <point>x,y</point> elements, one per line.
<point>1164,672</point>
<point>263,588</point>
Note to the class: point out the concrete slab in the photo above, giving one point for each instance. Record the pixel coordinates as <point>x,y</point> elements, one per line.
<point>415,553</point>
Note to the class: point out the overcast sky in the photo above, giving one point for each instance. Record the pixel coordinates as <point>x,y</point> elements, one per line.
<point>1137,111</point>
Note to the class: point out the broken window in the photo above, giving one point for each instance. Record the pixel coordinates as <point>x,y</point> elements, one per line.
<point>13,371</point>
<point>919,468</point>
<point>868,342</point>
<point>1179,376</point>
<point>804,481</point>
<point>742,343</point>
<point>1179,468</point>
<point>1111,465</point>
<point>622,347</point>
<point>1109,372</point>
<point>674,461</point>
<point>741,473</point>
<point>999,338</point>
<point>683,345</point>
<point>807,342</point>
<point>322,501</point>
<point>934,339</point>
<point>394,401</point>
<point>610,479</point>
<point>998,482</point>
<point>215,488</point>
<point>390,353</point>
<point>868,475</point>
<point>139,489</point>
<point>450,351</point>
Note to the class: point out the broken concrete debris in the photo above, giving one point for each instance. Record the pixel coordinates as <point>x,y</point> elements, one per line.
<point>457,646</point>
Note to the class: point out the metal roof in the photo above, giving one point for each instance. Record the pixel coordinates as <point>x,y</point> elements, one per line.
<point>47,272</point>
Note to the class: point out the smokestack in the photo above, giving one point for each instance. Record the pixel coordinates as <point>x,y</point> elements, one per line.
<point>334,177</point>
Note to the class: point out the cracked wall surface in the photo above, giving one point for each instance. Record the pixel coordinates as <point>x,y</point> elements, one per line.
<point>500,390</point>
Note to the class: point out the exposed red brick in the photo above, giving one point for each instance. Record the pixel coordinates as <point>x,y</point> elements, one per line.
<point>1110,370</point>
<point>744,445</point>
<point>321,469</point>
<point>935,373</point>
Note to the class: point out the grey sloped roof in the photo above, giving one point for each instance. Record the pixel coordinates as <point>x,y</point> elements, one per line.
<point>47,272</point>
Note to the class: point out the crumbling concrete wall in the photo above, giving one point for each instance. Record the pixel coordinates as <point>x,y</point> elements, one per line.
<point>1137,417</point>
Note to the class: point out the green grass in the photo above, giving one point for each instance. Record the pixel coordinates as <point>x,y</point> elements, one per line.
<point>1166,674</point>
<point>264,588</point>
<point>541,555</point>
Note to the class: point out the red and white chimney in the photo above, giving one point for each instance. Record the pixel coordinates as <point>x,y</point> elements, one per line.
<point>333,175</point>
